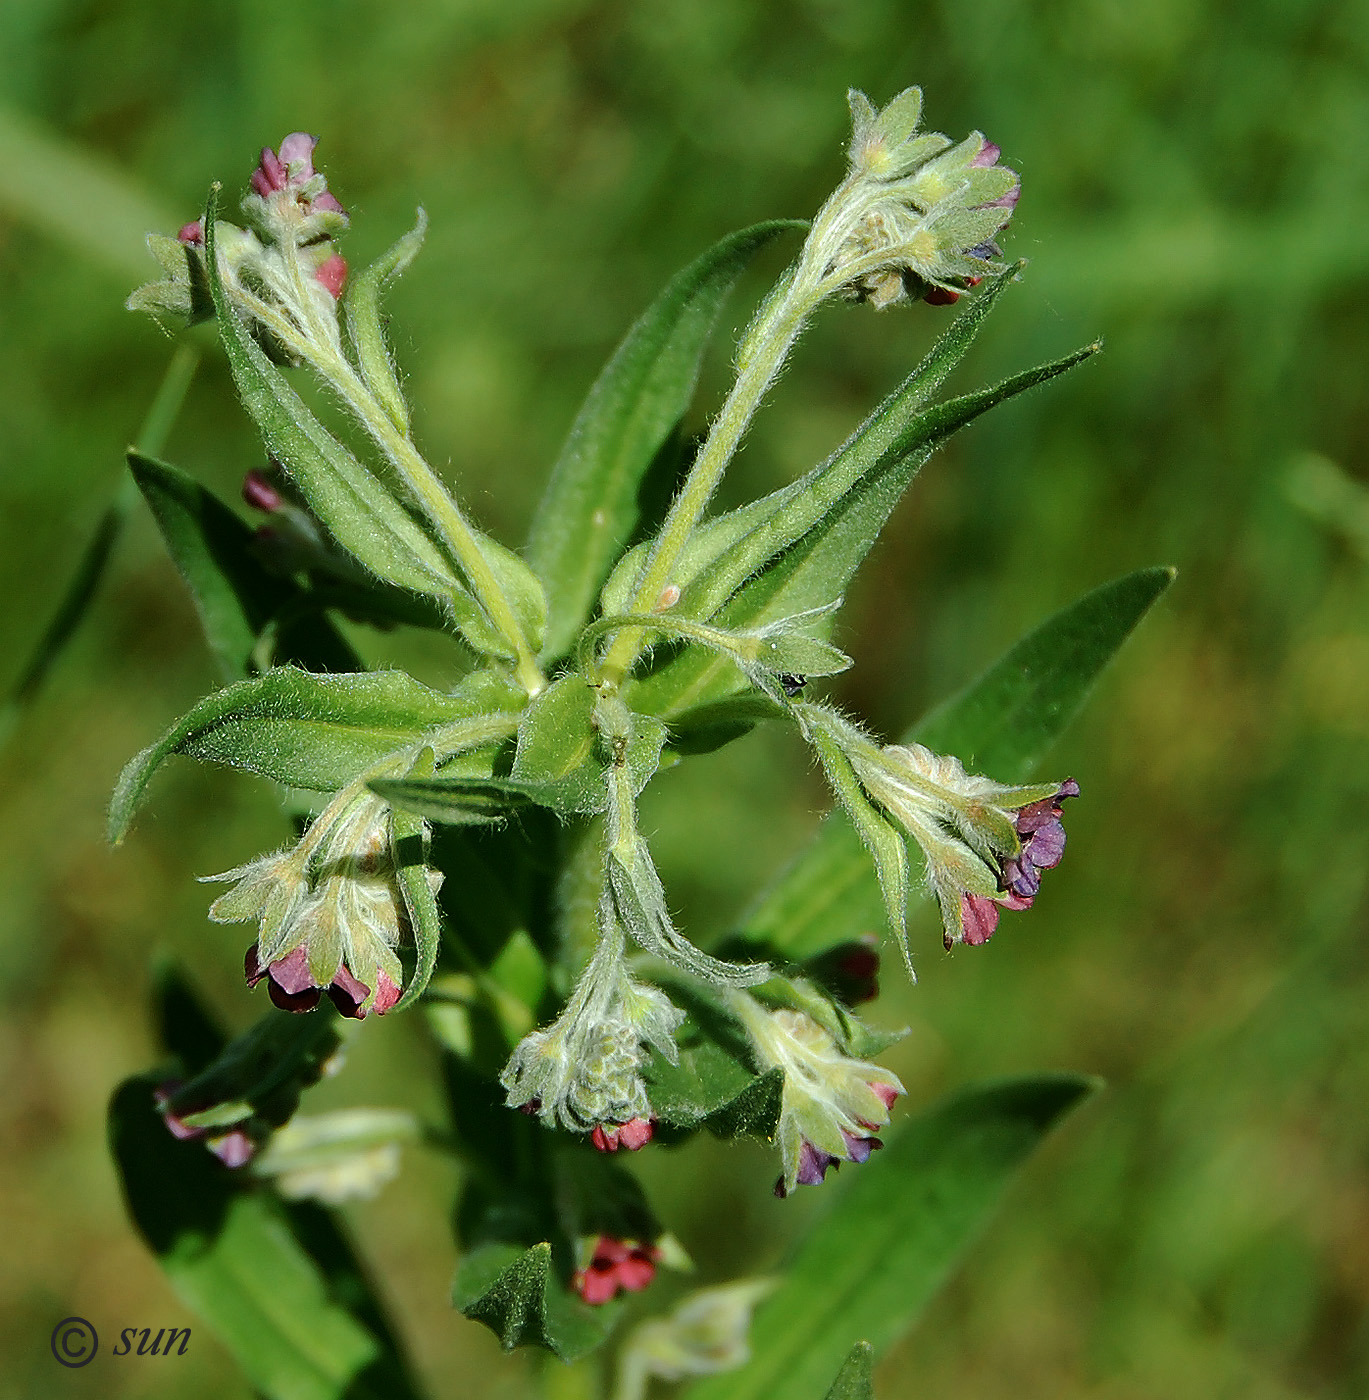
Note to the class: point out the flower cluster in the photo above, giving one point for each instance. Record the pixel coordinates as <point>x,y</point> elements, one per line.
<point>920,215</point>
<point>832,1106</point>
<point>330,914</point>
<point>583,1072</point>
<point>986,843</point>
<point>285,259</point>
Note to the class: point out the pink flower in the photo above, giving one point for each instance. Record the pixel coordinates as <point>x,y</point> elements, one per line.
<point>291,171</point>
<point>292,987</point>
<point>617,1265</point>
<point>191,234</point>
<point>332,272</point>
<point>258,492</point>
<point>632,1135</point>
<point>233,1148</point>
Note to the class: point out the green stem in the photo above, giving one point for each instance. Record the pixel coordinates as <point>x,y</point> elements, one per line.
<point>763,352</point>
<point>319,343</point>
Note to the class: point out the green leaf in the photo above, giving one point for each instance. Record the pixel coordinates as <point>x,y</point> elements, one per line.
<point>353,506</point>
<point>590,506</point>
<point>897,1228</point>
<point>855,1380</point>
<point>235,596</point>
<point>518,1297</point>
<point>817,565</point>
<point>724,552</point>
<point>234,1257</point>
<point>562,757</point>
<point>409,844</point>
<point>880,837</point>
<point>1000,725</point>
<point>713,1084</point>
<point>307,731</point>
<point>260,1074</point>
<point>363,322</point>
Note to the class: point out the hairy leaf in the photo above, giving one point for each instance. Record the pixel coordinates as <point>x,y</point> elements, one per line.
<point>713,1084</point>
<point>409,845</point>
<point>590,506</point>
<point>855,1380</point>
<point>353,506</point>
<point>517,1295</point>
<point>923,1200</point>
<point>363,322</point>
<point>308,731</point>
<point>1000,725</point>
<point>563,757</point>
<point>234,594</point>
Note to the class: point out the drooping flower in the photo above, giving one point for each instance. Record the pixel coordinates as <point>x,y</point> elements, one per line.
<point>233,1146</point>
<point>615,1266</point>
<point>330,915</point>
<point>832,1105</point>
<point>985,842</point>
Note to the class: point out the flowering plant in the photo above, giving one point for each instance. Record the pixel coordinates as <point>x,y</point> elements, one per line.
<point>473,856</point>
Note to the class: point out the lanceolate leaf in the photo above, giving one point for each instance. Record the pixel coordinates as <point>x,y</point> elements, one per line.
<point>363,322</point>
<point>352,504</point>
<point>897,1229</point>
<point>999,725</point>
<point>234,594</point>
<point>811,564</point>
<point>591,503</point>
<point>855,1380</point>
<point>308,731</point>
<point>290,1313</point>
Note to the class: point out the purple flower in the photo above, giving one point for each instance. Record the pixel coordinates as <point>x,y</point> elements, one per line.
<point>1042,837</point>
<point>292,987</point>
<point>813,1162</point>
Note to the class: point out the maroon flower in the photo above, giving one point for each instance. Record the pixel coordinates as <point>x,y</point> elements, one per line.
<point>233,1148</point>
<point>291,985</point>
<point>632,1135</point>
<point>616,1265</point>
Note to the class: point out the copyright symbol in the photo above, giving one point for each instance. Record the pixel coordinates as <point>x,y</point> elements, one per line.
<point>74,1342</point>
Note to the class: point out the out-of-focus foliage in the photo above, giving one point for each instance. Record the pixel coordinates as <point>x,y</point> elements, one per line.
<point>1195,190</point>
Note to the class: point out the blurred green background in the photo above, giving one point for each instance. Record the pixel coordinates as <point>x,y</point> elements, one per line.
<point>1196,190</point>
